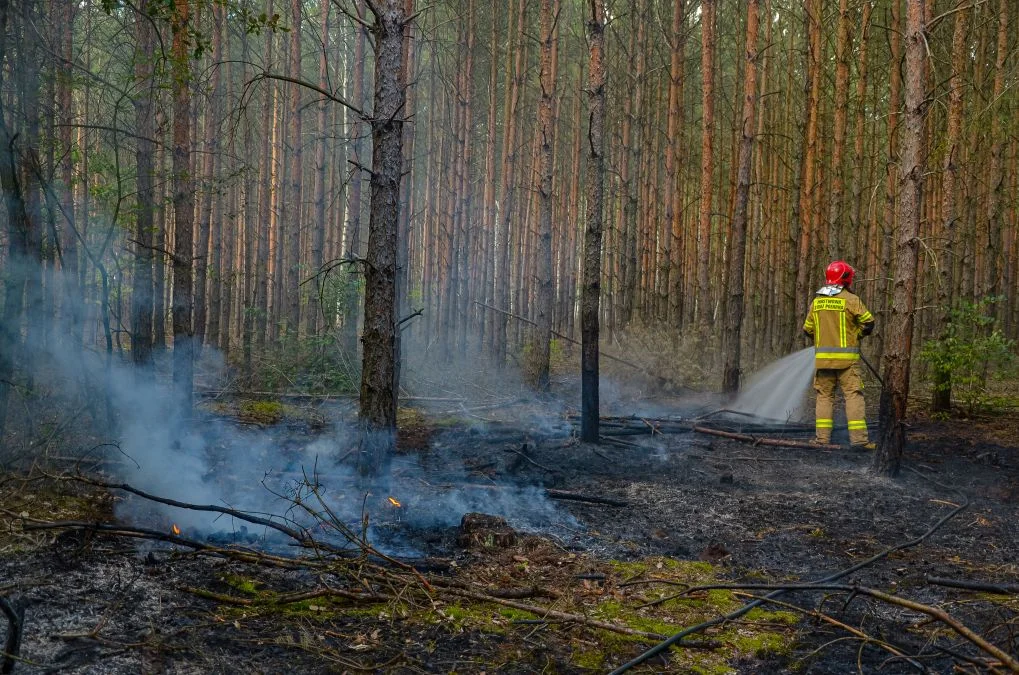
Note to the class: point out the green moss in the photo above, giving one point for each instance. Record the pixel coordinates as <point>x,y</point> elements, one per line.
<point>262,412</point>
<point>243,584</point>
<point>591,659</point>
<point>762,644</point>
<point>672,568</point>
<point>758,614</point>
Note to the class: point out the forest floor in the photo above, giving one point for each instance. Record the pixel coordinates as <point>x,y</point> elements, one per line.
<point>683,509</point>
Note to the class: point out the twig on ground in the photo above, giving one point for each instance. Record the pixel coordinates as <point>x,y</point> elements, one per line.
<point>984,587</point>
<point>540,466</point>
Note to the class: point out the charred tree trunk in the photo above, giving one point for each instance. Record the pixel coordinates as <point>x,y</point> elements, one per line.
<point>899,345</point>
<point>738,236</point>
<point>379,340</point>
<point>593,235</point>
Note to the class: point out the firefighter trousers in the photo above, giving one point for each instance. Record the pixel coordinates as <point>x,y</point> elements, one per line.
<point>851,384</point>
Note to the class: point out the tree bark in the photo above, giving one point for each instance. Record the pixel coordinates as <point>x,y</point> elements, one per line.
<point>738,235</point>
<point>314,311</point>
<point>996,179</point>
<point>837,234</point>
<point>941,400</point>
<point>378,371</point>
<point>353,234</point>
<point>895,391</point>
<point>543,333</point>
<point>141,296</point>
<point>183,212</point>
<point>210,146</point>
<point>589,431</point>
<point>704,309</point>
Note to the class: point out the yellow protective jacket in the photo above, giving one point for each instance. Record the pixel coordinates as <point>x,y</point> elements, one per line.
<point>836,319</point>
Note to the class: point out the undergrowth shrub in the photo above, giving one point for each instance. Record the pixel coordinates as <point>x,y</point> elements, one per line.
<point>974,354</point>
<point>315,364</point>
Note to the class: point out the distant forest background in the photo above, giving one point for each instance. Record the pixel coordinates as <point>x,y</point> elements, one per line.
<point>262,213</point>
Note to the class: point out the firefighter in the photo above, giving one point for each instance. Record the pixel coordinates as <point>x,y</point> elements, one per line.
<point>836,321</point>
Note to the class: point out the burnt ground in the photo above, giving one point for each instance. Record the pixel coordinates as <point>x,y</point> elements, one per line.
<point>698,508</point>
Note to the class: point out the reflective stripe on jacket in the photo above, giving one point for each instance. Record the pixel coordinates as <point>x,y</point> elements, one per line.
<point>835,322</point>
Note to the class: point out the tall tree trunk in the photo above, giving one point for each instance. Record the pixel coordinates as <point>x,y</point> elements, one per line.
<point>543,337</point>
<point>183,211</point>
<point>378,370</point>
<point>353,234</point>
<point>859,228</point>
<point>808,176</point>
<point>838,237</point>
<point>942,396</point>
<point>507,191</point>
<point>996,178</point>
<point>210,146</point>
<point>593,234</point>
<point>882,239</point>
<point>141,296</point>
<point>18,227</point>
<point>704,310</point>
<point>738,236</point>
<point>899,346</point>
<point>73,298</point>
<point>291,221</point>
<point>315,310</point>
<point>673,160</point>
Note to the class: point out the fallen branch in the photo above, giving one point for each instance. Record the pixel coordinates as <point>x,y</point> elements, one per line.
<point>573,496</point>
<point>240,553</point>
<point>1000,589</point>
<point>540,466</point>
<point>758,440</point>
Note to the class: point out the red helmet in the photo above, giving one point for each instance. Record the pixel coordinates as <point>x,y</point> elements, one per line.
<point>839,273</point>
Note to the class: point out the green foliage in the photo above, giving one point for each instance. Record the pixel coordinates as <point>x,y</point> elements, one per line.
<point>972,352</point>
<point>316,364</point>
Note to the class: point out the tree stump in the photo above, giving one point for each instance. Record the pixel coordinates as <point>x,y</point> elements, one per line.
<point>480,530</point>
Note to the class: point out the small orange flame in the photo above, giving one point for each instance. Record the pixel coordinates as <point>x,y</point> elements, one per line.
<point>394,502</point>
<point>175,529</point>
